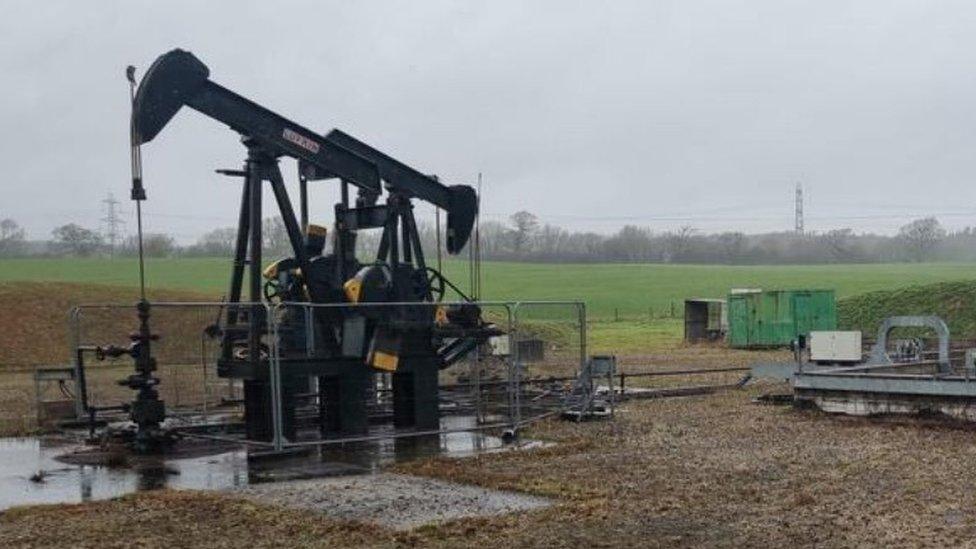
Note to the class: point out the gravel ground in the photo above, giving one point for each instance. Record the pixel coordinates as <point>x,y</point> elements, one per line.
<point>395,501</point>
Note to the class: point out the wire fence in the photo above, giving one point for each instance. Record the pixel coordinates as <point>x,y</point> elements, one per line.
<point>324,374</point>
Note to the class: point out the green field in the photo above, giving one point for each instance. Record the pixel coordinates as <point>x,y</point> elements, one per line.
<point>641,297</point>
<point>632,291</point>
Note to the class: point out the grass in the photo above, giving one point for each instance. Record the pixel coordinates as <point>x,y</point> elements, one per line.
<point>630,291</point>
<point>954,302</point>
<point>180,519</point>
<point>634,336</point>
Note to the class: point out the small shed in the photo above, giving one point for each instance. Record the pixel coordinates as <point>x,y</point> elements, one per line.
<point>705,320</point>
<point>775,318</point>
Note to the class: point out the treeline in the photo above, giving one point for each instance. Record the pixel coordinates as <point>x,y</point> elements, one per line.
<point>920,240</point>
<point>524,238</point>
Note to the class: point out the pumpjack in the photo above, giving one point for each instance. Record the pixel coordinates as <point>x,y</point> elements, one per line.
<point>368,318</point>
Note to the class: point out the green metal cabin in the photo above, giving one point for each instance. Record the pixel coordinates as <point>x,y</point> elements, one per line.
<point>775,318</point>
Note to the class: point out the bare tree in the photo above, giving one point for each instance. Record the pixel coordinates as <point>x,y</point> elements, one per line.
<point>839,244</point>
<point>921,236</point>
<point>74,239</point>
<point>631,243</point>
<point>732,244</point>
<point>12,238</point>
<point>494,238</point>
<point>525,225</point>
<point>276,241</point>
<point>551,241</point>
<point>153,245</point>
<point>677,242</point>
<point>216,243</point>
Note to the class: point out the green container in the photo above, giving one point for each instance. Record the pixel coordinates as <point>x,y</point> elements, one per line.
<point>775,318</point>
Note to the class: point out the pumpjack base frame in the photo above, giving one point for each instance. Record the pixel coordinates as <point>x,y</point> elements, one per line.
<point>343,386</point>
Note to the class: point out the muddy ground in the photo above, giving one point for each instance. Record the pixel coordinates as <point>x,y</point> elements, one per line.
<point>714,470</point>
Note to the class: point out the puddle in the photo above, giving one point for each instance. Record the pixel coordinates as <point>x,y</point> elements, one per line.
<point>22,458</point>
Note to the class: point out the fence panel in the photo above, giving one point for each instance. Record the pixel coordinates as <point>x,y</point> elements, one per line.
<point>185,354</point>
<point>466,367</point>
<point>550,352</point>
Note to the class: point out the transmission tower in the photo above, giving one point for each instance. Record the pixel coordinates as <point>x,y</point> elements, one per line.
<point>113,223</point>
<point>799,209</point>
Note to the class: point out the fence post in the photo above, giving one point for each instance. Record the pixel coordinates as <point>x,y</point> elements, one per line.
<point>81,384</point>
<point>274,376</point>
<point>581,313</point>
<point>309,332</point>
<point>475,374</point>
<point>515,401</point>
<point>206,380</point>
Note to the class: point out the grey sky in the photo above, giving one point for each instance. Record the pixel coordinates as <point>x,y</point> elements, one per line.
<point>589,114</point>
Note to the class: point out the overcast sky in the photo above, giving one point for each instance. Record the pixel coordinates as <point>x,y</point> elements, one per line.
<point>590,114</point>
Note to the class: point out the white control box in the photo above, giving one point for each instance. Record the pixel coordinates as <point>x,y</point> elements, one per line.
<point>499,345</point>
<point>835,346</point>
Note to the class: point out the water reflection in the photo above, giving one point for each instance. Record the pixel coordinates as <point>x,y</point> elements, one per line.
<point>22,458</point>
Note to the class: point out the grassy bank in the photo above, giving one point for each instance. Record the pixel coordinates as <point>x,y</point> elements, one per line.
<point>954,302</point>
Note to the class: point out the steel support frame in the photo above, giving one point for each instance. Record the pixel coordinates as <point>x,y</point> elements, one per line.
<point>902,384</point>
<point>879,352</point>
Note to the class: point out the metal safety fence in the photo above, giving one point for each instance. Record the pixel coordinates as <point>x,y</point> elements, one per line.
<point>463,367</point>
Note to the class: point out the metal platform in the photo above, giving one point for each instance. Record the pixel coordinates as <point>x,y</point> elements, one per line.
<point>886,384</point>
<point>856,380</point>
<point>864,391</point>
